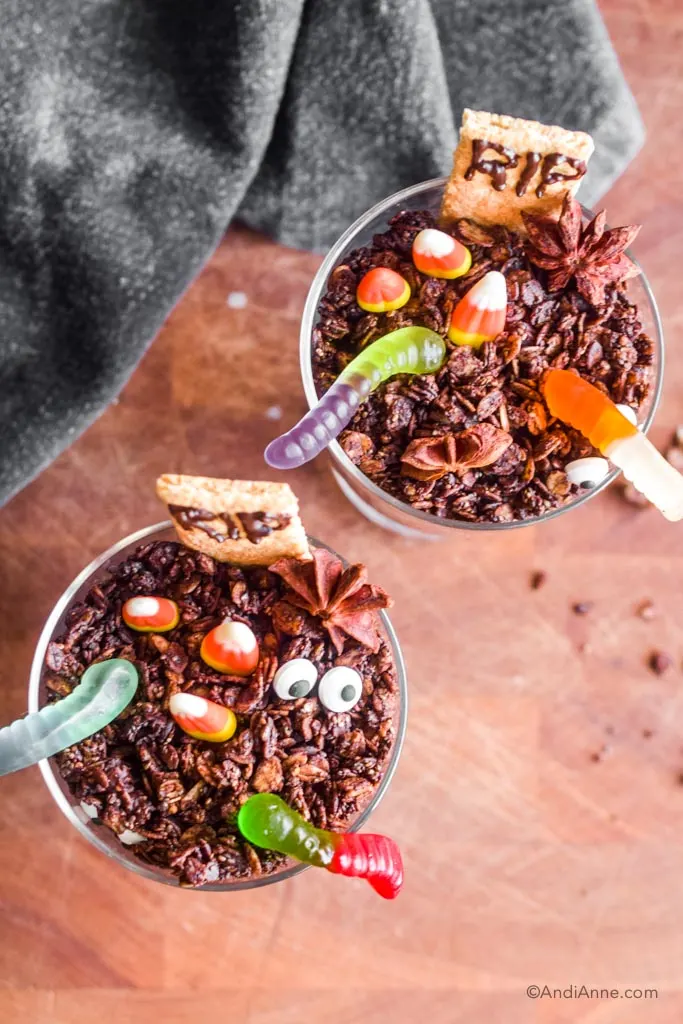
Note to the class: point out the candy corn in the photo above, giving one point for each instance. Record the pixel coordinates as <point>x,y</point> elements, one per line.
<point>231,648</point>
<point>381,290</point>
<point>201,718</point>
<point>439,255</point>
<point>480,314</point>
<point>577,402</point>
<point>150,614</point>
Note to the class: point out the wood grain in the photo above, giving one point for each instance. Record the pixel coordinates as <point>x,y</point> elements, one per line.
<point>528,860</point>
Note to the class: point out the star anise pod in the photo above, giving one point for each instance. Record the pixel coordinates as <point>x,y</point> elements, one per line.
<point>592,256</point>
<point>430,458</point>
<point>341,598</point>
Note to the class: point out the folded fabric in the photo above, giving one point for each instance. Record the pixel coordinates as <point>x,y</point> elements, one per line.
<point>134,131</point>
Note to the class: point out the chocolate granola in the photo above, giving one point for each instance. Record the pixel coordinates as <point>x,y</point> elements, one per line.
<point>497,385</point>
<point>179,795</point>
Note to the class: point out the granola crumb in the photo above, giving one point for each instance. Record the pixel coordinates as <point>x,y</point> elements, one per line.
<point>646,610</point>
<point>648,734</point>
<point>582,607</point>
<point>538,579</point>
<point>660,662</point>
<point>599,755</point>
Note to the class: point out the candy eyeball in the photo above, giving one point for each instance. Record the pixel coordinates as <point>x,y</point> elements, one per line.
<point>340,689</point>
<point>587,472</point>
<point>295,679</point>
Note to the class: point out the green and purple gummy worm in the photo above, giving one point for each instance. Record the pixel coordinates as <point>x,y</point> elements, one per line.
<point>407,350</point>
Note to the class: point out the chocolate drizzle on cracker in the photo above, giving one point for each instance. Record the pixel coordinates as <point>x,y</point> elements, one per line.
<point>244,522</point>
<point>256,525</point>
<point>505,165</point>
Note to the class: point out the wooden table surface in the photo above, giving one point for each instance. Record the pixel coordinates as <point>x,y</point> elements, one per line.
<point>538,801</point>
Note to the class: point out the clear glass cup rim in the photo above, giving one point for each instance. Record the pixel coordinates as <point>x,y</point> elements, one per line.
<point>50,774</point>
<point>336,451</point>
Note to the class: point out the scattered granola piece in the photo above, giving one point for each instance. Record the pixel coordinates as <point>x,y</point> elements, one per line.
<point>646,610</point>
<point>582,607</point>
<point>358,446</point>
<point>538,579</point>
<point>660,662</point>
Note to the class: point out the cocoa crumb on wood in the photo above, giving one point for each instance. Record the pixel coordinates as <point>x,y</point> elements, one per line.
<point>660,662</point>
<point>646,610</point>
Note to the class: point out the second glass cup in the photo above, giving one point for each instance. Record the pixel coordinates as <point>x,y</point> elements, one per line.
<point>374,503</point>
<point>99,834</point>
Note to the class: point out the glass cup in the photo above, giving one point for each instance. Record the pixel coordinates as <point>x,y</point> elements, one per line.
<point>374,503</point>
<point>100,835</point>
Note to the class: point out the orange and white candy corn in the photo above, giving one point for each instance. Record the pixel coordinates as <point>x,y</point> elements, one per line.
<point>583,406</point>
<point>440,255</point>
<point>381,290</point>
<point>201,718</point>
<point>150,614</point>
<point>480,314</point>
<point>231,648</point>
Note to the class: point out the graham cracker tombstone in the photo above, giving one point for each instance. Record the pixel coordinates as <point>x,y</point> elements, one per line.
<point>504,165</point>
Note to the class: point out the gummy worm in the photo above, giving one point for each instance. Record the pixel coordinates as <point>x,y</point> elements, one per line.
<point>373,857</point>
<point>267,821</point>
<point>105,689</point>
<point>407,350</point>
<point>583,406</point>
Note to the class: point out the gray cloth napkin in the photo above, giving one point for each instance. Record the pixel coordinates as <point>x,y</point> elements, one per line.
<point>133,131</point>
